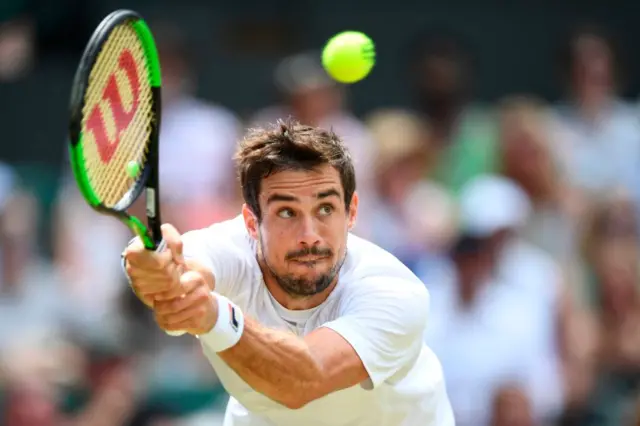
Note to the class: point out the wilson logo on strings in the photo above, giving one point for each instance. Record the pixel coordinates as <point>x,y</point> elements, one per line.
<point>122,118</point>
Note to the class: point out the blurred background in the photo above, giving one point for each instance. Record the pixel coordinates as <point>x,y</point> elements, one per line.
<point>497,147</point>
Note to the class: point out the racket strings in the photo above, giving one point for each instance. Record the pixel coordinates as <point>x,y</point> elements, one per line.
<point>117,115</point>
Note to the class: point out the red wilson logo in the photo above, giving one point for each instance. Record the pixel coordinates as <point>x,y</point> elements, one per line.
<point>122,118</point>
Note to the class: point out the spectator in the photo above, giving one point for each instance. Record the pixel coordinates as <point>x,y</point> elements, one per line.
<point>29,289</point>
<point>196,135</point>
<point>526,137</point>
<point>403,213</point>
<point>463,131</point>
<point>612,252</point>
<point>596,123</point>
<point>500,298</point>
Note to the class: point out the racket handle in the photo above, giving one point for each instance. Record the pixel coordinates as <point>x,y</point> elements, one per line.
<point>161,247</point>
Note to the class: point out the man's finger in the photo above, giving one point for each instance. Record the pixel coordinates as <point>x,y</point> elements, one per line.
<point>179,318</point>
<point>154,284</point>
<point>151,292</point>
<point>177,304</point>
<point>184,327</point>
<point>145,275</point>
<point>169,294</point>
<point>173,240</point>
<point>142,258</point>
<point>188,325</point>
<point>154,281</point>
<point>189,283</point>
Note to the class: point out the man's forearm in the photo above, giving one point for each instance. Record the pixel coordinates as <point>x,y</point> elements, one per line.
<point>277,364</point>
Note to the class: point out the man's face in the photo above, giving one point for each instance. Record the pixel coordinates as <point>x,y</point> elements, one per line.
<point>303,231</point>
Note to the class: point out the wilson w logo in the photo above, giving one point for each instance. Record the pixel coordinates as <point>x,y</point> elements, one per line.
<point>122,118</point>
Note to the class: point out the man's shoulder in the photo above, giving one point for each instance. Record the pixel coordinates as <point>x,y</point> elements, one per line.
<point>374,269</point>
<point>229,233</point>
<point>364,255</point>
<point>228,250</point>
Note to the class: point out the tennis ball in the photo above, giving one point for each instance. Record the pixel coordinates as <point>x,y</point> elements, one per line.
<point>349,56</point>
<point>133,168</point>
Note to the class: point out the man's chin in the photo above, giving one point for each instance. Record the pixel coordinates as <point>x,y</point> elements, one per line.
<point>305,286</point>
<point>306,281</point>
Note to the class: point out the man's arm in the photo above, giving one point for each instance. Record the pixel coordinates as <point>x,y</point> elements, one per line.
<point>291,370</point>
<point>378,335</point>
<point>278,364</point>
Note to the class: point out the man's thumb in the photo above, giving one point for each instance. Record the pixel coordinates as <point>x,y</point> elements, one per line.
<point>173,240</point>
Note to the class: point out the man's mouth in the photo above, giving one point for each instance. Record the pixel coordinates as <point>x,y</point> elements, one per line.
<point>309,259</point>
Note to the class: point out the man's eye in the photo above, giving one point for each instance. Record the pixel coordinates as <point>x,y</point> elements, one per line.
<point>326,210</point>
<point>285,213</point>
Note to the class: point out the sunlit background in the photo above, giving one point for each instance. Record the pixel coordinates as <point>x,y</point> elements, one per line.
<point>497,147</point>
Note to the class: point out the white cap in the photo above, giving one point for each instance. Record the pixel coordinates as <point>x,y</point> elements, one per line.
<point>490,203</point>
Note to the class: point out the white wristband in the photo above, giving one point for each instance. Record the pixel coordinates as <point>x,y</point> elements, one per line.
<point>229,326</point>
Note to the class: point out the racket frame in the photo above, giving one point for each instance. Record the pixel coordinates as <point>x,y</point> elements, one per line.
<point>148,179</point>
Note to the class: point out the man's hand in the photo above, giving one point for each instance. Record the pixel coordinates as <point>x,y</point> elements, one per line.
<point>156,275</point>
<point>195,312</point>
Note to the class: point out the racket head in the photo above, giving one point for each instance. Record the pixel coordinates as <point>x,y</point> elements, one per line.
<point>115,119</point>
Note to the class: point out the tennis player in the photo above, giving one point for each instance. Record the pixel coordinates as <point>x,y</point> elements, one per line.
<point>303,322</point>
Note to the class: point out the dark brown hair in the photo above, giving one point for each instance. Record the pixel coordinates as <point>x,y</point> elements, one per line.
<point>290,145</point>
<point>566,53</point>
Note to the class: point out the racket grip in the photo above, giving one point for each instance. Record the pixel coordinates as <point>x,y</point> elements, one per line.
<point>161,247</point>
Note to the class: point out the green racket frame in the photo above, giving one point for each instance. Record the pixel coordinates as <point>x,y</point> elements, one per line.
<point>148,178</point>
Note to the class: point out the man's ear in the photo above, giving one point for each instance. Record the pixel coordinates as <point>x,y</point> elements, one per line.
<point>353,211</point>
<point>250,221</point>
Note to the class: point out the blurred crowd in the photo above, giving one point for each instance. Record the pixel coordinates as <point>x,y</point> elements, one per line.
<point>521,217</point>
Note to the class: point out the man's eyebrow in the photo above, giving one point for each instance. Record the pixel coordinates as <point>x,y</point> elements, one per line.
<point>328,193</point>
<point>281,197</point>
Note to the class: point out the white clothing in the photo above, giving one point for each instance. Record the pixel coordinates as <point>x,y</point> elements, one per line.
<point>379,306</point>
<point>600,155</point>
<point>493,329</point>
<point>509,329</point>
<point>537,279</point>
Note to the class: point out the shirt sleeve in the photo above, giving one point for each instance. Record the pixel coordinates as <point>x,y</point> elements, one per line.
<point>385,323</point>
<point>217,251</point>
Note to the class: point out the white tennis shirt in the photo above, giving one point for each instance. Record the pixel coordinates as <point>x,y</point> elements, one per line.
<point>379,306</point>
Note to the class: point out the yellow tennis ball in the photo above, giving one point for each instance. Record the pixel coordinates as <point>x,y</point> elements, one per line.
<point>349,56</point>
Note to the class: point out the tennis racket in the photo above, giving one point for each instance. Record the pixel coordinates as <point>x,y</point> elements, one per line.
<point>115,123</point>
